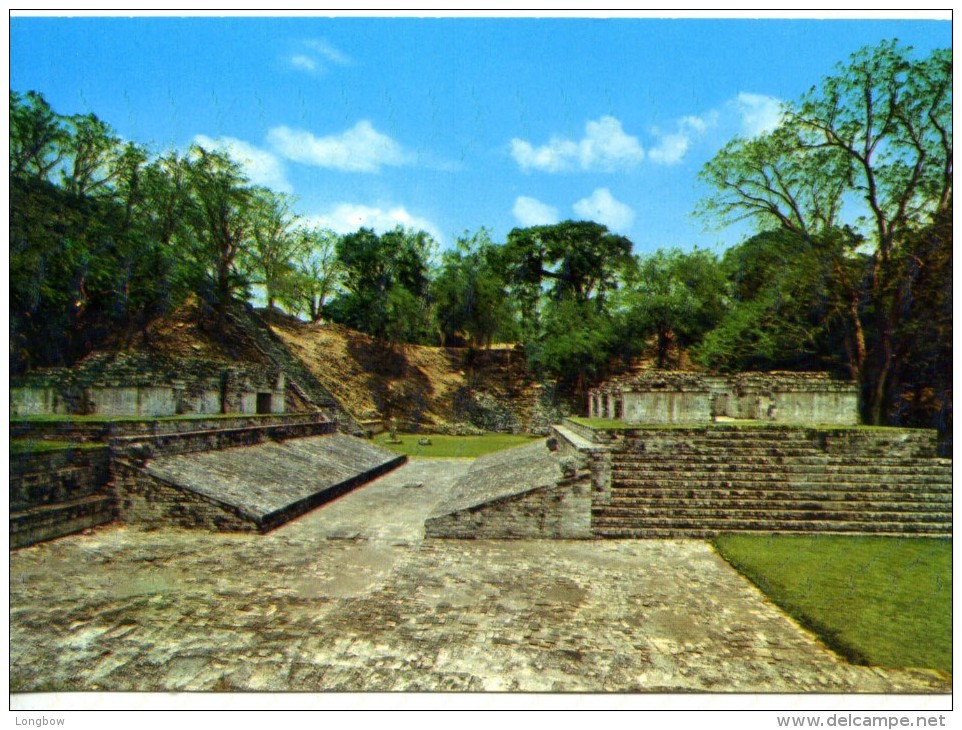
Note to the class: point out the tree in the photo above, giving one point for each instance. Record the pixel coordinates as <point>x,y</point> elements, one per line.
<point>317,272</point>
<point>581,259</point>
<point>91,150</point>
<point>220,216</point>
<point>470,295</point>
<point>787,308</point>
<point>274,244</point>
<point>677,297</point>
<point>574,344</point>
<point>37,136</point>
<point>386,284</point>
<point>775,179</point>
<point>878,134</point>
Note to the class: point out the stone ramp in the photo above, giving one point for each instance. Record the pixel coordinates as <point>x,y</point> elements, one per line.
<point>517,493</point>
<point>256,487</point>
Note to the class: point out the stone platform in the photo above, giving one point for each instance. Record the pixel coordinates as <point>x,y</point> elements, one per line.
<point>254,488</point>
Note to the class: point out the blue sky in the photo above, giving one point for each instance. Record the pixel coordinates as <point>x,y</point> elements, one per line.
<point>450,124</point>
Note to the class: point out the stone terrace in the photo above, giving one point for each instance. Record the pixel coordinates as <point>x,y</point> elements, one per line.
<point>351,597</point>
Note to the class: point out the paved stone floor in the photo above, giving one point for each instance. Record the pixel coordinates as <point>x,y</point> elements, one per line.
<point>352,597</point>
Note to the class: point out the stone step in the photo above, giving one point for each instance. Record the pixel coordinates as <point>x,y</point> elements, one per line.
<point>613,514</point>
<point>721,452</point>
<point>807,474</point>
<point>624,528</point>
<point>741,461</point>
<point>655,460</point>
<point>661,533</point>
<point>51,521</point>
<point>34,490</point>
<point>721,433</point>
<point>758,496</point>
<point>823,483</point>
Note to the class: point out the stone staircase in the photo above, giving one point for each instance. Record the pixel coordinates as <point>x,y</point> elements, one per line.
<point>272,347</point>
<point>702,482</point>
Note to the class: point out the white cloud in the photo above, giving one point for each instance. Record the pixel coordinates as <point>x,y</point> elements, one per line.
<point>348,217</point>
<point>602,207</point>
<point>316,55</point>
<point>605,147</point>
<point>759,113</point>
<point>671,149</point>
<point>261,166</point>
<point>673,146</point>
<point>360,149</point>
<point>532,212</point>
<point>304,62</point>
<point>329,52</point>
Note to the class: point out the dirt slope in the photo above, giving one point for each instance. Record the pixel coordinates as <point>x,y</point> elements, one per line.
<point>432,388</point>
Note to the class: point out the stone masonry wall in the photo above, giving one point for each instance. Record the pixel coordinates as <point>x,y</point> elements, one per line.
<point>143,447</point>
<point>55,476</point>
<point>150,502</point>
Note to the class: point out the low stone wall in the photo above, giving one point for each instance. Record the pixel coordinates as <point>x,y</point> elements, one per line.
<point>667,408</point>
<point>562,511</point>
<point>590,457</point>
<point>248,489</point>
<point>684,397</point>
<point>139,384</point>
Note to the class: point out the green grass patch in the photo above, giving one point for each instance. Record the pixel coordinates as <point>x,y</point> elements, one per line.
<point>39,446</point>
<point>882,601</point>
<point>452,447</point>
<point>602,424</point>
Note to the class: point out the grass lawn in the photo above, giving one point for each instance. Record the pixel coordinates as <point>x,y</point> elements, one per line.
<point>466,447</point>
<point>37,446</point>
<point>882,601</point>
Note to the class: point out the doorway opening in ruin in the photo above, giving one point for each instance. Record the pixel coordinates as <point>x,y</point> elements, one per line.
<point>264,403</point>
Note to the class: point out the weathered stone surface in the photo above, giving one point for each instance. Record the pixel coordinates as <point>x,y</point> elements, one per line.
<point>138,384</point>
<point>351,598</point>
<point>682,397</point>
<point>700,482</point>
<point>522,492</point>
<point>57,493</point>
<point>263,485</point>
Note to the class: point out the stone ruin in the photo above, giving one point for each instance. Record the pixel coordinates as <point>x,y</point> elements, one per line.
<point>134,384</point>
<point>687,398</point>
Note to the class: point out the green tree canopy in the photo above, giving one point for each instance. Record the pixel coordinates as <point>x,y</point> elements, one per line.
<point>674,296</point>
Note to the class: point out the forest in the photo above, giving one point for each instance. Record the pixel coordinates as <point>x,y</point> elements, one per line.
<point>849,268</point>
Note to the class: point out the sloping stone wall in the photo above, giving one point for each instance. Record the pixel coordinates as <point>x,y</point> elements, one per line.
<point>525,492</point>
